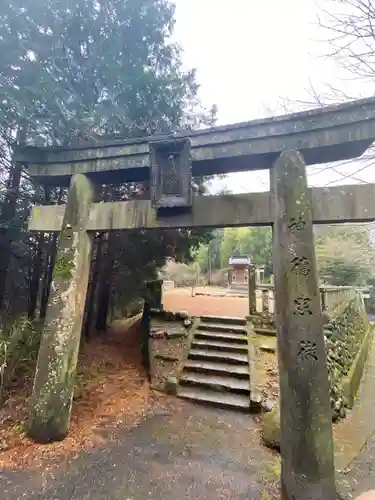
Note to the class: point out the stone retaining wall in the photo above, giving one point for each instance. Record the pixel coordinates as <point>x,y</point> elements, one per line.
<point>348,337</point>
<point>168,345</point>
<point>264,321</point>
<point>344,336</point>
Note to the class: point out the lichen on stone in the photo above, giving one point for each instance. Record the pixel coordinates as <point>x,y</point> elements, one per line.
<point>53,398</point>
<point>64,265</point>
<point>344,333</point>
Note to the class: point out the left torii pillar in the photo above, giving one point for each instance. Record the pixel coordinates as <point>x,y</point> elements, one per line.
<point>52,397</point>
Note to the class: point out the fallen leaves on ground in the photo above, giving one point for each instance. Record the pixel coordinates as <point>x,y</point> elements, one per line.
<point>112,390</point>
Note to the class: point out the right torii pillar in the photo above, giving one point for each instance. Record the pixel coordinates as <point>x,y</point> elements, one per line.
<point>307,470</point>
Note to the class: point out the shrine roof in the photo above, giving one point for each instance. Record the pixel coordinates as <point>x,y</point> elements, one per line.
<point>240,260</point>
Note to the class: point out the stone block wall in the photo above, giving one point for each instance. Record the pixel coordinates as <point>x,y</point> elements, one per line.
<point>345,335</point>
<point>348,338</point>
<point>264,321</point>
<point>169,341</point>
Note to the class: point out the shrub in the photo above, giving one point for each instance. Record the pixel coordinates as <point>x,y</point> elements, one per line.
<point>19,345</point>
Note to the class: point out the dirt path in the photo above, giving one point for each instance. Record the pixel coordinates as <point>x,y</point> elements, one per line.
<point>181,300</point>
<point>111,385</point>
<point>128,443</point>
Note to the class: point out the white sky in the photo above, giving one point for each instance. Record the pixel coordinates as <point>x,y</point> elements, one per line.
<point>253,54</point>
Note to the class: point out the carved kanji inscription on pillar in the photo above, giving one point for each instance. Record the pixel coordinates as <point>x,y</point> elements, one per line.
<point>171,173</point>
<point>301,266</point>
<point>302,306</point>
<point>307,350</point>
<point>296,223</point>
<point>307,469</point>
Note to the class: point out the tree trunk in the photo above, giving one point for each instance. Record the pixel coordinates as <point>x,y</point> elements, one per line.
<point>49,261</point>
<point>105,282</point>
<point>36,271</point>
<point>7,228</point>
<point>104,276</point>
<point>92,293</point>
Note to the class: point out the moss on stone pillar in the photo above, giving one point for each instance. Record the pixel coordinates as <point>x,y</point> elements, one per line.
<point>53,389</point>
<point>305,414</point>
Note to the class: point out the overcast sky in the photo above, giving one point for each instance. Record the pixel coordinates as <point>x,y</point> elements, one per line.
<point>251,55</point>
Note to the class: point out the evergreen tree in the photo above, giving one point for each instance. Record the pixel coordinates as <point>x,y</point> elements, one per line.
<point>83,70</point>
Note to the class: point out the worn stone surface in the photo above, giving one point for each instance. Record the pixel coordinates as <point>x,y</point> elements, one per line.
<point>352,381</point>
<point>255,389</point>
<point>154,294</point>
<point>348,341</point>
<point>323,134</point>
<point>171,386</point>
<point>171,173</point>
<point>334,204</point>
<point>306,425</point>
<point>264,320</point>
<point>343,338</point>
<point>54,378</point>
<point>271,427</point>
<point>252,290</point>
<point>344,383</point>
<point>354,438</point>
<point>169,342</point>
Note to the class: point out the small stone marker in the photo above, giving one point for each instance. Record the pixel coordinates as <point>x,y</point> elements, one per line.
<point>307,471</point>
<point>53,389</point>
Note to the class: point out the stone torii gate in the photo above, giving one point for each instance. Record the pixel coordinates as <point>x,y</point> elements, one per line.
<point>285,145</point>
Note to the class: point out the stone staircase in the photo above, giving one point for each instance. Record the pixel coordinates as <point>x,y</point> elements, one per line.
<point>217,369</point>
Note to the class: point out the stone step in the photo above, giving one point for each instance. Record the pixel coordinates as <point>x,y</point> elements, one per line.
<point>219,327</point>
<point>208,396</point>
<point>239,292</point>
<point>230,357</point>
<point>225,382</point>
<point>266,332</point>
<point>234,337</point>
<point>227,320</point>
<point>217,368</point>
<point>216,344</point>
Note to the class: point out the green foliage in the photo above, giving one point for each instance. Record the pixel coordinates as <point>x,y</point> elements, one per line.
<point>81,71</point>
<point>63,266</point>
<point>345,254</point>
<point>202,258</point>
<point>344,273</point>
<point>371,301</point>
<point>230,245</point>
<point>19,345</point>
<point>259,245</point>
<point>256,242</point>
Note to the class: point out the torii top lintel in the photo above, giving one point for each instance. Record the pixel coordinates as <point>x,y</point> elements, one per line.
<point>324,134</point>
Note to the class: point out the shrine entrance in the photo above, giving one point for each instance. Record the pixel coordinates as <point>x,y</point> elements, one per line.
<point>285,145</point>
